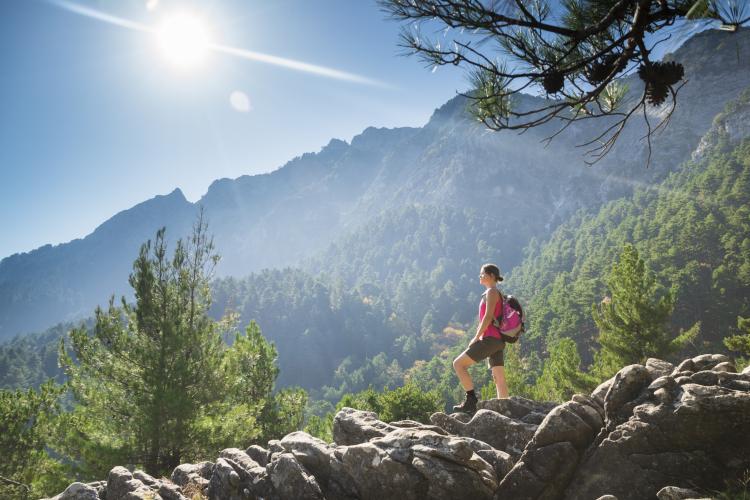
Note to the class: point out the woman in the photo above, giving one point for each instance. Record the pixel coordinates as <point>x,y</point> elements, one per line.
<point>486,343</point>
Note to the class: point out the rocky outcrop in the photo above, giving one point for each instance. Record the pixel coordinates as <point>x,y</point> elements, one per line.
<point>653,430</point>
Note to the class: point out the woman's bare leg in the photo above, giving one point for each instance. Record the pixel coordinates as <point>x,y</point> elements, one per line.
<point>498,374</point>
<point>461,364</point>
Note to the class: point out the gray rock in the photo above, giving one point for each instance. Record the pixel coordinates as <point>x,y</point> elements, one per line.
<point>533,418</point>
<point>725,367</point>
<point>198,474</point>
<point>240,458</point>
<point>144,478</point>
<point>291,480</point>
<point>607,497</point>
<point>665,381</point>
<point>702,435</point>
<point>737,385</point>
<point>621,397</point>
<point>709,361</point>
<point>376,474</point>
<point>274,447</point>
<point>319,458</point>
<point>590,401</point>
<point>687,365</point>
<point>448,463</point>
<point>313,453</point>
<point>231,481</point>
<point>460,416</point>
<point>588,413</point>
<point>121,485</point>
<point>170,491</point>
<point>564,424</point>
<point>352,426</point>
<point>654,427</point>
<point>675,493</point>
<point>78,491</point>
<point>497,430</point>
<point>705,377</point>
<point>658,368</point>
<point>516,407</point>
<point>411,424</point>
<point>259,454</point>
<point>540,473</point>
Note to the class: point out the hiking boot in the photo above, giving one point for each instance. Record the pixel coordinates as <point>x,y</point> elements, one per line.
<point>468,406</point>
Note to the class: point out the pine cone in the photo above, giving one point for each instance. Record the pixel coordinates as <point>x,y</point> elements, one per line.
<point>661,73</point>
<point>672,72</point>
<point>656,93</point>
<point>647,73</point>
<point>553,82</point>
<point>599,70</point>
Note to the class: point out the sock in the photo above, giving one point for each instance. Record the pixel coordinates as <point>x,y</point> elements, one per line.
<point>471,394</point>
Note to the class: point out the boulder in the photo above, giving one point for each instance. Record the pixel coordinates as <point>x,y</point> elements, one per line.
<point>197,474</point>
<point>658,368</point>
<point>259,454</point>
<point>497,430</point>
<point>78,491</point>
<point>675,493</point>
<point>121,485</point>
<point>709,361</point>
<point>726,366</point>
<point>679,434</point>
<point>352,426</point>
<point>291,480</point>
<point>516,407</point>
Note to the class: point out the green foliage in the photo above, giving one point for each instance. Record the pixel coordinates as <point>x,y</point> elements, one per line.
<point>740,342</point>
<point>408,402</point>
<point>562,375</point>
<point>737,489</point>
<point>321,427</point>
<point>29,360</point>
<point>145,375</point>
<point>690,231</point>
<point>156,386</point>
<point>27,420</point>
<point>633,321</point>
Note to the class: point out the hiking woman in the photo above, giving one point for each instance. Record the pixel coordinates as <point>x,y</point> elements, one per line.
<point>486,343</point>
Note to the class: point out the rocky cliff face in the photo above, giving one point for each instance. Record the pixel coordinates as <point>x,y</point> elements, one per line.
<point>652,430</point>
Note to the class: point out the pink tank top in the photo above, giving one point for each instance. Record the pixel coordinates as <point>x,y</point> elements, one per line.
<point>492,330</point>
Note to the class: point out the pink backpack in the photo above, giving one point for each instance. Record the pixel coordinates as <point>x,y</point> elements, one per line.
<point>511,322</point>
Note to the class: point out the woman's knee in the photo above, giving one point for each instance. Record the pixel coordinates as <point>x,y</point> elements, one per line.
<point>461,362</point>
<point>457,363</point>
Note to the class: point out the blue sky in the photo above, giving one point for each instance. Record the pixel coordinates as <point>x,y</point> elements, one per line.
<point>94,119</point>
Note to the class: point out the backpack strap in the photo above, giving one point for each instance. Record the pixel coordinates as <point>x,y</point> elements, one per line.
<point>495,319</point>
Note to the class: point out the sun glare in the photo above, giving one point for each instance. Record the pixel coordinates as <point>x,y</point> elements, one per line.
<point>183,40</point>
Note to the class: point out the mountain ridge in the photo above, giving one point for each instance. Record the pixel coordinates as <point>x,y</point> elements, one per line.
<point>279,218</point>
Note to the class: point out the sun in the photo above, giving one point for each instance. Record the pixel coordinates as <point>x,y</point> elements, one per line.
<point>183,40</point>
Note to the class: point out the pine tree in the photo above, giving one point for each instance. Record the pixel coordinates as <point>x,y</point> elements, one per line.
<point>633,320</point>
<point>149,369</point>
<point>562,375</point>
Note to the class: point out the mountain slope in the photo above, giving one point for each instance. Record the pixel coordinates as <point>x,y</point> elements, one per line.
<point>693,232</point>
<point>277,219</point>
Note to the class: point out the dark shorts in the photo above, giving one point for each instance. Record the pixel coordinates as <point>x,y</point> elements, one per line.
<point>488,347</point>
